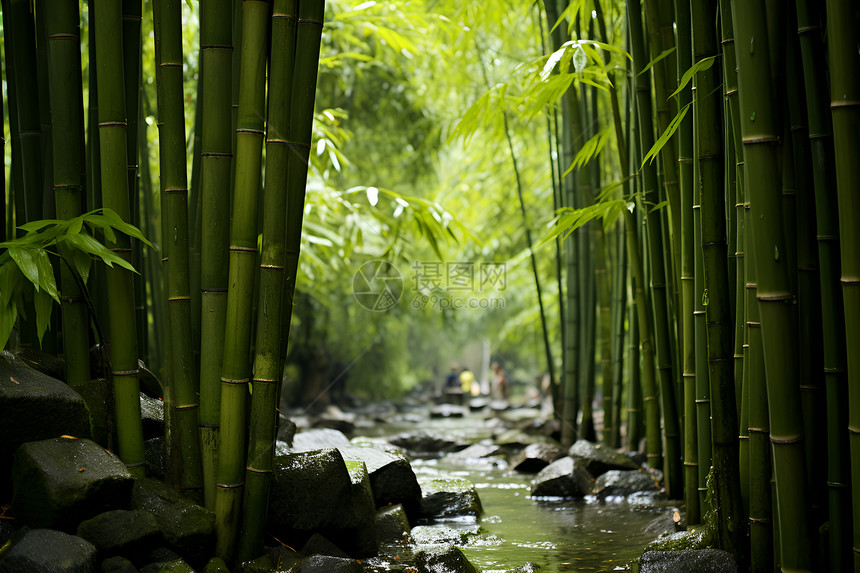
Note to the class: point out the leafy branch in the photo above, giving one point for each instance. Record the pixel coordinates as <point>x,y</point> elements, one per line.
<point>25,264</point>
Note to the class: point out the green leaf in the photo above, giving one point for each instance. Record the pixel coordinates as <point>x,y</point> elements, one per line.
<point>89,245</point>
<point>44,305</point>
<point>662,55</point>
<point>699,66</point>
<point>81,262</point>
<point>569,219</point>
<point>10,282</point>
<point>589,150</point>
<point>47,281</point>
<point>26,261</point>
<point>667,135</point>
<point>8,315</point>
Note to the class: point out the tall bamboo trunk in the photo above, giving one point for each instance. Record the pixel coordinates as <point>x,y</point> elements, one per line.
<point>216,37</point>
<point>64,60</point>
<point>719,324</point>
<point>174,193</point>
<point>267,367</point>
<point>659,276</point>
<point>832,312</point>
<point>235,371</point>
<point>120,287</point>
<point>842,38</point>
<point>759,129</point>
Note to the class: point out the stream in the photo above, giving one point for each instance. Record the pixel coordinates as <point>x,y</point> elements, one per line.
<point>557,534</point>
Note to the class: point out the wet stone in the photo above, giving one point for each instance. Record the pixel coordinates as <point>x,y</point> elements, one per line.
<point>48,551</point>
<point>153,451</point>
<point>175,566</point>
<point>117,564</point>
<point>61,482</point>
<point>565,477</point>
<point>318,439</point>
<point>623,483</point>
<point>688,561</point>
<point>534,457</point>
<point>319,545</point>
<point>329,564</point>
<point>448,411</point>
<point>131,534</point>
<point>152,416</point>
<point>392,525</point>
<point>391,478</point>
<point>424,444</point>
<point>444,559</point>
<point>34,406</point>
<point>187,527</point>
<point>443,534</point>
<point>449,497</point>
<point>216,565</point>
<point>599,459</point>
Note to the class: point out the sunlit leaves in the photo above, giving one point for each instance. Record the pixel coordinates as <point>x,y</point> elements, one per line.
<point>590,150</point>
<point>568,220</point>
<point>700,66</point>
<point>666,135</point>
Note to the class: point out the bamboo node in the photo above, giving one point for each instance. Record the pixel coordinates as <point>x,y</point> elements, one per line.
<point>691,464</point>
<point>216,155</point>
<point>213,290</point>
<point>836,484</point>
<point>853,430</point>
<point>216,47</point>
<point>134,372</point>
<point>237,249</point>
<point>753,325</point>
<point>229,381</point>
<point>63,36</point>
<point>208,425</point>
<point>113,124</point>
<point>788,440</point>
<point>703,400</point>
<point>276,267</point>
<point>178,298</point>
<point>309,21</point>
<point>843,103</point>
<point>850,281</point>
<point>757,140</point>
<point>176,190</point>
<point>251,131</point>
<point>171,64</point>
<point>186,407</point>
<point>742,437</point>
<point>760,520</point>
<point>230,485</point>
<point>755,430</point>
<point>276,140</point>
<point>256,471</point>
<point>266,380</point>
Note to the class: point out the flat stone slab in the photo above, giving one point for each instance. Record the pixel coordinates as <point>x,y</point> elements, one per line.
<point>318,439</point>
<point>62,481</point>
<point>566,477</point>
<point>449,497</point>
<point>423,443</point>
<point>618,483</point>
<point>48,551</point>
<point>599,459</point>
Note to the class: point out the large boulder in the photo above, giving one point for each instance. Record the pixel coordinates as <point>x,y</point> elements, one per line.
<point>363,511</point>
<point>34,406</point>
<point>449,497</point>
<point>188,528</point>
<point>48,551</point>
<point>62,481</point>
<point>623,483</point>
<point>563,478</point>
<point>688,561</point>
<point>98,395</point>
<point>391,478</point>
<point>479,456</point>
<point>131,534</point>
<point>599,459</point>
<point>312,492</point>
<point>118,565</point>
<point>535,457</point>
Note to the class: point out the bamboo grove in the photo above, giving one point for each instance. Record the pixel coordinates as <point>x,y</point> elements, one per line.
<point>704,159</point>
<point>75,192</point>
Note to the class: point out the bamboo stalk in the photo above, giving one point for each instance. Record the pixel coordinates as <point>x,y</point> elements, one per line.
<point>719,324</point>
<point>842,38</point>
<point>235,371</point>
<point>120,287</point>
<point>64,61</point>
<point>215,166</point>
<point>267,367</point>
<point>832,312</point>
<point>774,287</point>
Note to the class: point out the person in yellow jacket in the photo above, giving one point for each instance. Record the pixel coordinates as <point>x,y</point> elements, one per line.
<point>467,379</point>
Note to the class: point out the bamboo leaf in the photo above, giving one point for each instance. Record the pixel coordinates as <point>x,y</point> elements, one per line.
<point>667,135</point>
<point>89,245</point>
<point>8,316</point>
<point>700,66</point>
<point>44,305</point>
<point>589,150</point>
<point>662,55</point>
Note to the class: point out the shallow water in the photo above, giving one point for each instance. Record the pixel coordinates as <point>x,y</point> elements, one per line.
<point>557,534</point>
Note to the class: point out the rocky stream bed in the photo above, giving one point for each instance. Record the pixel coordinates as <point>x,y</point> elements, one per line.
<point>414,486</point>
